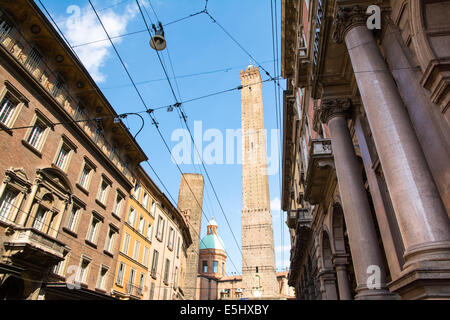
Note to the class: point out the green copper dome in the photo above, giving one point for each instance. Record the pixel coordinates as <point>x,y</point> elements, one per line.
<point>212,240</point>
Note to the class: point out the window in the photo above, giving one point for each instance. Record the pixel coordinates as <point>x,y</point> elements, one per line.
<point>205,266</point>
<point>149,231</point>
<point>83,270</point>
<point>79,112</point>
<point>103,191</point>
<point>141,284</point>
<point>63,157</point>
<point>154,268</point>
<point>118,204</point>
<point>153,208</point>
<point>92,232</point>
<point>175,278</point>
<point>170,239</point>
<point>160,228</point>
<point>59,268</point>
<point>136,190</point>
<point>120,273</point>
<point>102,278</point>
<point>145,257</point>
<point>141,225</point>
<point>39,219</point>
<point>7,108</point>
<point>35,138</point>
<point>85,176</point>
<point>73,217</point>
<point>215,266</point>
<point>109,243</point>
<point>33,60</point>
<point>152,290</point>
<point>137,247</point>
<point>131,217</point>
<point>223,268</point>
<point>126,243</point>
<point>57,87</point>
<point>5,28</point>
<point>7,204</point>
<point>145,199</point>
<point>166,271</point>
<point>131,281</point>
<point>178,247</point>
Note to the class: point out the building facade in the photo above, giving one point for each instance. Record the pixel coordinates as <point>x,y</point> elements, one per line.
<point>258,254</point>
<point>66,166</point>
<point>136,241</point>
<point>366,148</point>
<point>168,265</point>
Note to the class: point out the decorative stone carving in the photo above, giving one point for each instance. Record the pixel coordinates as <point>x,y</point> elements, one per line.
<point>333,107</point>
<point>347,18</point>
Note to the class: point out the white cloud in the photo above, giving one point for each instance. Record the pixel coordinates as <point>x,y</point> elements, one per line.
<point>275,205</point>
<point>83,26</point>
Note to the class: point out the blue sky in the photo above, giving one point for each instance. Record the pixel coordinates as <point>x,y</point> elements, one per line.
<point>194,45</point>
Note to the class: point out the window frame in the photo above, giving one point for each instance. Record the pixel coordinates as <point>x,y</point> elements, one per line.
<point>92,168</point>
<point>96,232</point>
<point>71,149</point>
<point>12,205</point>
<point>120,274</point>
<point>14,94</point>
<point>101,280</point>
<point>126,240</point>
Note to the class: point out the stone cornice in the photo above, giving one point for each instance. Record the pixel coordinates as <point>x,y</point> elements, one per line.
<point>347,18</point>
<point>333,108</point>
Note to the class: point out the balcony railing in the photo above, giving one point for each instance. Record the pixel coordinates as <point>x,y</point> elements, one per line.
<point>134,291</point>
<point>28,56</point>
<point>299,217</point>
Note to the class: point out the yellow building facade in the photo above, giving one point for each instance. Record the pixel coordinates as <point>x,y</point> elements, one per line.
<point>136,241</point>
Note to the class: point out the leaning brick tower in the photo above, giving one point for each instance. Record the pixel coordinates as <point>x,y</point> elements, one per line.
<point>258,255</point>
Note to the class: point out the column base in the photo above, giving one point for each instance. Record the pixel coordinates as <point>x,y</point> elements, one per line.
<point>424,280</point>
<point>364,293</point>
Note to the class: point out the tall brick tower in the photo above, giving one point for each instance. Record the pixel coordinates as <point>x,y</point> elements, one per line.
<point>258,255</point>
<point>190,202</point>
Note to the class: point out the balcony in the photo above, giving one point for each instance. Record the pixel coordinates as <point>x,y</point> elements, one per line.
<point>134,292</point>
<point>34,64</point>
<point>299,218</point>
<point>320,170</point>
<point>35,246</point>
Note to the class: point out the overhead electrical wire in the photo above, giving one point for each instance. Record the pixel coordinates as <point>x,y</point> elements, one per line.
<point>183,115</point>
<point>149,112</point>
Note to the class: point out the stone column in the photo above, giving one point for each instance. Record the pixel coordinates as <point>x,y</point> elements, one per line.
<point>426,118</point>
<point>328,285</point>
<point>420,213</point>
<point>361,230</point>
<point>340,264</point>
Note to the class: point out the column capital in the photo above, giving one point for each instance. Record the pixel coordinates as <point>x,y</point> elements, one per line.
<point>340,260</point>
<point>346,18</point>
<point>331,108</point>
